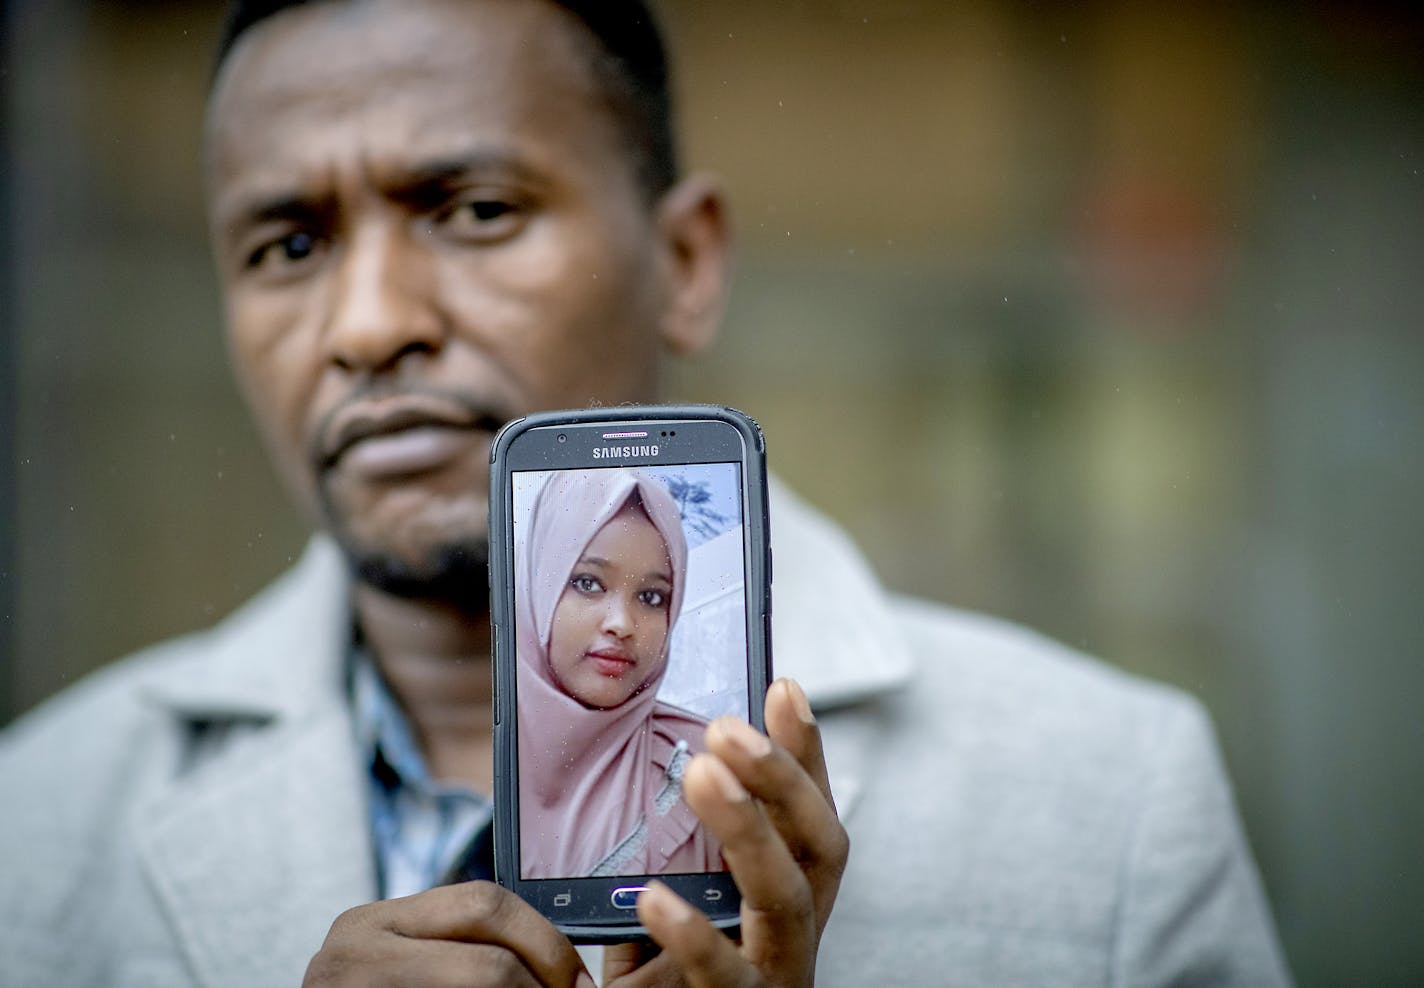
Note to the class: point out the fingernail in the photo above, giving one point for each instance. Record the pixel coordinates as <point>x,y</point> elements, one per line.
<point>752,742</point>
<point>799,703</point>
<point>723,778</point>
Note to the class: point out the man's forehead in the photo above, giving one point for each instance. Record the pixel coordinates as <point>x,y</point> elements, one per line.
<point>432,78</point>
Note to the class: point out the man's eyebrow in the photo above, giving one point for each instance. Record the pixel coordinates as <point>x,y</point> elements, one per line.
<point>284,206</point>
<point>419,182</point>
<point>288,207</point>
<point>433,178</point>
<point>469,162</point>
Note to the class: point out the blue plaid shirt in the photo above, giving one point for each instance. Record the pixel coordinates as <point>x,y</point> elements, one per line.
<point>426,834</point>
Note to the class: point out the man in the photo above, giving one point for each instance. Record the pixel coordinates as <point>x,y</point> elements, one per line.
<point>430,216</point>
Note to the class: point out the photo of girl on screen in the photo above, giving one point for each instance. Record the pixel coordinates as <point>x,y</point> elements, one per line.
<point>601,580</point>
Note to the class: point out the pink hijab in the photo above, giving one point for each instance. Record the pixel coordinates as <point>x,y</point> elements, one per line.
<point>600,791</point>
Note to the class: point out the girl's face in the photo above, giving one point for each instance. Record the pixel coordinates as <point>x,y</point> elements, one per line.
<point>610,626</point>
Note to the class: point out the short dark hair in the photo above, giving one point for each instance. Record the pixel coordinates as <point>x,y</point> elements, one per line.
<point>629,61</point>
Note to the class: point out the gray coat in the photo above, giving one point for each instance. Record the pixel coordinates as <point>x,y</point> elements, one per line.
<point>1019,814</point>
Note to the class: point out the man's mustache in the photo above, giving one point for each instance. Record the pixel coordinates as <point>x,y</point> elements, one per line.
<point>374,410</point>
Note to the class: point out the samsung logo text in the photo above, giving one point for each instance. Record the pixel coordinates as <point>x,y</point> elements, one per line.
<point>621,452</point>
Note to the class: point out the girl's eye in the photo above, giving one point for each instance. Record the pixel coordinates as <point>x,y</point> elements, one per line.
<point>586,584</point>
<point>653,598</point>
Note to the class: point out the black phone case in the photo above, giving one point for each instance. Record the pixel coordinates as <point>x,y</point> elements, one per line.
<point>715,893</point>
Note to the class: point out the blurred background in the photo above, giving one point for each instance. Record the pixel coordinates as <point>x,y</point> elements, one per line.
<point>1120,307</point>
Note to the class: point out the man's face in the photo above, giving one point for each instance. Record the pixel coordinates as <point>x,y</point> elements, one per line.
<point>425,224</point>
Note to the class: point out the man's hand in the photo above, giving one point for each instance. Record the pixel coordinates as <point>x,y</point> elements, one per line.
<point>768,800</point>
<point>471,934</point>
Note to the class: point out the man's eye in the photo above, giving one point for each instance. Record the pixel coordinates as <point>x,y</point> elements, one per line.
<point>488,210</point>
<point>291,249</point>
<point>483,219</point>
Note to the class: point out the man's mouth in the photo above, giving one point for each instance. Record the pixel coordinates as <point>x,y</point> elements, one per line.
<point>399,435</point>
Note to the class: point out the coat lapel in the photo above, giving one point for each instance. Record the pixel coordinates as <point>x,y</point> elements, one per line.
<point>254,860</point>
<point>259,846</point>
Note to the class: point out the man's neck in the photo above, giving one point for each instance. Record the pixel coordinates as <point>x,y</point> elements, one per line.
<point>435,657</point>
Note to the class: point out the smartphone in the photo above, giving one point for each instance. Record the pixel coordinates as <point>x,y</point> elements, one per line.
<point>630,597</point>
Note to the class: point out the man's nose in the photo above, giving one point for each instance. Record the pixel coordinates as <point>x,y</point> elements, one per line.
<point>383,305</point>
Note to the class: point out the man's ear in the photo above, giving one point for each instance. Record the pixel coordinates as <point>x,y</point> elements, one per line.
<point>697,237</point>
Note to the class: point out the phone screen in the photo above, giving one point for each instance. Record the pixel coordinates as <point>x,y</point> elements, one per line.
<point>630,598</point>
<point>630,620</point>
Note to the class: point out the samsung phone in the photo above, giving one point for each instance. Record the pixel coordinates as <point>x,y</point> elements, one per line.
<point>631,605</point>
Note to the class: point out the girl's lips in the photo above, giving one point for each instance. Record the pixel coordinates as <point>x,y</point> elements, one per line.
<point>614,665</point>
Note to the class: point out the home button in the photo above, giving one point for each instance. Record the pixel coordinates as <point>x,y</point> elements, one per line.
<point>627,897</point>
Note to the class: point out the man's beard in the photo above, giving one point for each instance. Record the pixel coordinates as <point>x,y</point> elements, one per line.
<point>455,573</point>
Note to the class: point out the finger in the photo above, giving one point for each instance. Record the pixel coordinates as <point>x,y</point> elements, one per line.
<point>780,924</point>
<point>397,960</point>
<point>437,963</point>
<point>706,958</point>
<point>796,806</point>
<point>638,965</point>
<point>790,723</point>
<point>482,912</point>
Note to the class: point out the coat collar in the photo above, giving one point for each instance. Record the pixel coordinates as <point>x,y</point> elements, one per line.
<point>832,626</point>
<point>281,656</point>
